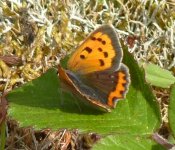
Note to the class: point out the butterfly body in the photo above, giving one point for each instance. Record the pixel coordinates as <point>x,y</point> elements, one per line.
<point>95,71</point>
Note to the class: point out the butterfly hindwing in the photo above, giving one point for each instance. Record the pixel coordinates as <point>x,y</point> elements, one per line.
<point>100,51</point>
<point>109,86</point>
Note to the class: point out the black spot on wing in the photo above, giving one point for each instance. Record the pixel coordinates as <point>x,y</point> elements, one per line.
<point>88,49</point>
<point>105,54</point>
<point>99,39</point>
<point>103,42</point>
<point>100,49</point>
<point>122,93</point>
<point>124,84</point>
<point>82,56</point>
<point>124,77</point>
<point>101,62</point>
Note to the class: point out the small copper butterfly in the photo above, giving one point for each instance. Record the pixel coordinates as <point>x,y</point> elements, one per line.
<point>95,72</point>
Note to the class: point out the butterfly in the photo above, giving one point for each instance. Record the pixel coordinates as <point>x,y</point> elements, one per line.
<point>94,71</point>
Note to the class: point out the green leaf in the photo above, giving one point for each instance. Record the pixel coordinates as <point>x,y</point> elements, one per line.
<point>40,103</point>
<point>171,113</point>
<point>127,142</point>
<point>64,61</point>
<point>158,76</point>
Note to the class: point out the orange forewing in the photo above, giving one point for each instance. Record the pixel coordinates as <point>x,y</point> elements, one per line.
<point>100,51</point>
